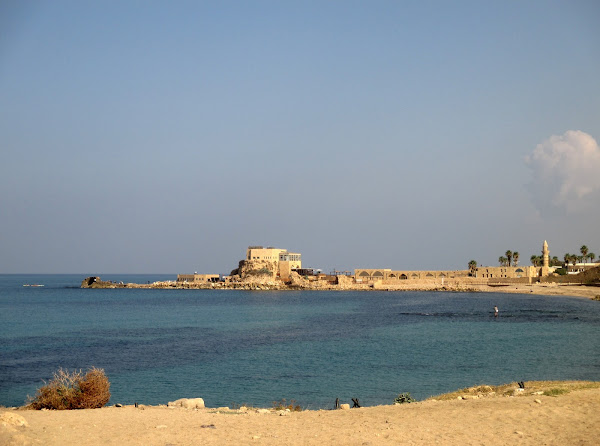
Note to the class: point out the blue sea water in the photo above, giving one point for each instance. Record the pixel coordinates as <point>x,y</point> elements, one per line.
<point>231,346</point>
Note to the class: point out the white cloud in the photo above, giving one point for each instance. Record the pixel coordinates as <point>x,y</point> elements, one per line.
<point>566,172</point>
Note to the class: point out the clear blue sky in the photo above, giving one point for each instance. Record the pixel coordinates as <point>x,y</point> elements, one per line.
<point>146,137</point>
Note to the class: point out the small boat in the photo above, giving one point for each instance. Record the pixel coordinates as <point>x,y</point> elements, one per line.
<point>34,284</point>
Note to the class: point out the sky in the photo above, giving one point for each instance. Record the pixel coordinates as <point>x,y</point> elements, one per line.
<point>166,137</point>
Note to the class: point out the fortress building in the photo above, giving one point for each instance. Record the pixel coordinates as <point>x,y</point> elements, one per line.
<point>286,261</point>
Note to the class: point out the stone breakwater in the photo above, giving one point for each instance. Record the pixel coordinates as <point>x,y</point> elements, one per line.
<point>295,282</point>
<point>344,283</point>
<point>254,283</point>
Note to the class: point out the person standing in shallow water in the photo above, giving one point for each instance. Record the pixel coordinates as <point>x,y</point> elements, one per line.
<point>495,310</point>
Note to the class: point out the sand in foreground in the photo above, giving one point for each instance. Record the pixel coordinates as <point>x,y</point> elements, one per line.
<point>572,418</point>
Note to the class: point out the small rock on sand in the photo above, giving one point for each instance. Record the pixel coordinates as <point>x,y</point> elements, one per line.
<point>188,403</point>
<point>12,419</point>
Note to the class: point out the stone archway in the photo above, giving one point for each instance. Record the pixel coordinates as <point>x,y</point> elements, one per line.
<point>377,275</point>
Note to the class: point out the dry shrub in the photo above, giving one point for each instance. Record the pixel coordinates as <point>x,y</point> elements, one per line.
<point>73,391</point>
<point>284,405</point>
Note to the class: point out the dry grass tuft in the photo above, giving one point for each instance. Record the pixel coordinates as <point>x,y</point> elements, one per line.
<point>287,405</point>
<point>73,391</point>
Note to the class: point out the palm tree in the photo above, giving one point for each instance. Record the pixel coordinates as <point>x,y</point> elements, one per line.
<point>584,252</point>
<point>509,256</point>
<point>515,258</point>
<point>535,260</point>
<point>592,256</point>
<point>555,261</point>
<point>472,266</point>
<point>579,259</point>
<point>567,258</point>
<point>573,259</point>
<point>502,260</point>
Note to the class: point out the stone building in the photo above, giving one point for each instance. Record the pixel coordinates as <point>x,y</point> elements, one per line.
<point>197,278</point>
<point>286,261</point>
<point>517,272</point>
<point>506,272</point>
<point>388,275</point>
<point>260,253</point>
<point>482,274</point>
<point>580,267</point>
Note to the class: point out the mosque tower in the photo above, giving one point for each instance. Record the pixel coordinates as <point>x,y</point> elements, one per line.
<point>545,260</point>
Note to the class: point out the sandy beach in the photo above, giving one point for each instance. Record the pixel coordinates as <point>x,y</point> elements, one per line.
<point>530,418</point>
<point>548,289</point>
<point>545,289</point>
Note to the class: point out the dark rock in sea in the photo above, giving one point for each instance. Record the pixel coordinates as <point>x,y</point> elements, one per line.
<point>96,282</point>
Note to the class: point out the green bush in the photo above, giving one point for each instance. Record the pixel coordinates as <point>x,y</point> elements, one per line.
<point>555,391</point>
<point>73,391</point>
<point>404,398</point>
<point>259,272</point>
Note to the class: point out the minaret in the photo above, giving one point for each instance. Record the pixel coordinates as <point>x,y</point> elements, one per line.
<point>545,260</point>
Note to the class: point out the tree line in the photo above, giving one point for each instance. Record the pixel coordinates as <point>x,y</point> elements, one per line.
<point>537,260</point>
<point>583,258</point>
<point>511,258</point>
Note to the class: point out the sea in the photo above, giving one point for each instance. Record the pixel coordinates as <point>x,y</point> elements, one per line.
<point>234,347</point>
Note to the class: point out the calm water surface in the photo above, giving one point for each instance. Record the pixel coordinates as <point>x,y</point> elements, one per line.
<point>258,347</point>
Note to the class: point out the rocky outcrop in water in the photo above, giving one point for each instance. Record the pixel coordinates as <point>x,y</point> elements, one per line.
<point>96,282</point>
